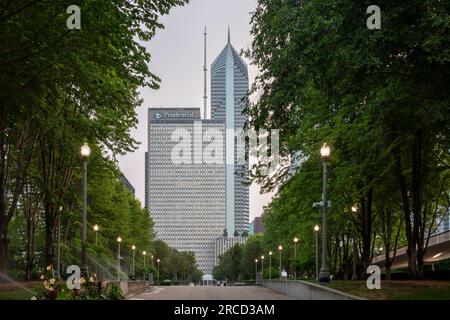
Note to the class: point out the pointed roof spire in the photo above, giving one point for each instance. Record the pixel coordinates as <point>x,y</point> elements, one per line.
<point>229,38</point>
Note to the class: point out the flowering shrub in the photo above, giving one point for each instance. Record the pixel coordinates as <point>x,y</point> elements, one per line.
<point>90,289</point>
<point>52,285</point>
<point>53,288</point>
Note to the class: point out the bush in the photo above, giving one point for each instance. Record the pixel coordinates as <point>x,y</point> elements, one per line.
<point>166,282</point>
<point>53,288</point>
<point>268,273</point>
<point>113,292</point>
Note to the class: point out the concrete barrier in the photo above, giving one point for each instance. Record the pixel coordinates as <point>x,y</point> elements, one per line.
<point>303,290</point>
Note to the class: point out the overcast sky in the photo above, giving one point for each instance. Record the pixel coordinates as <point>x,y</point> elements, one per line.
<point>177,58</point>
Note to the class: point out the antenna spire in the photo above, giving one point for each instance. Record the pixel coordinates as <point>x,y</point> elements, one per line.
<point>229,37</point>
<point>205,97</point>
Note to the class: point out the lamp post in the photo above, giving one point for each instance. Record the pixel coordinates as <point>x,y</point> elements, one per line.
<point>119,240</point>
<point>134,255</point>
<point>158,269</point>
<point>280,248</point>
<point>144,253</point>
<point>354,275</point>
<point>324,275</point>
<point>316,231</point>
<point>262,266</point>
<point>58,259</point>
<point>295,257</point>
<point>256,268</point>
<point>270,265</point>
<point>95,231</point>
<point>85,152</point>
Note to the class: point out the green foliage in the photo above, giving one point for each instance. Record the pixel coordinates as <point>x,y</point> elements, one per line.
<point>238,263</point>
<point>113,292</point>
<point>272,273</point>
<point>64,88</point>
<point>54,288</point>
<point>166,282</point>
<point>174,265</point>
<point>379,98</point>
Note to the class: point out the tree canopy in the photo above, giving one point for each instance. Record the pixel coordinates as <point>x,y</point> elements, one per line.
<point>60,88</point>
<point>379,98</point>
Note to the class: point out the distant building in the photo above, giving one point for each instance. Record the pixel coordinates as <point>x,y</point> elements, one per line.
<point>146,180</point>
<point>251,230</point>
<point>229,89</point>
<point>186,200</point>
<point>445,224</point>
<point>192,203</point>
<point>223,244</point>
<point>258,226</point>
<point>128,184</point>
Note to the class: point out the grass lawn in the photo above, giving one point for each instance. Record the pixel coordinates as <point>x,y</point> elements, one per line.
<point>19,291</point>
<point>397,290</point>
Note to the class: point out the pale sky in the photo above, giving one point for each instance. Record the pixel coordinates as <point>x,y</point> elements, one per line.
<point>177,58</point>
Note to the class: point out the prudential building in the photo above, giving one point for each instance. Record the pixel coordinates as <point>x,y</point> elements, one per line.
<point>193,202</point>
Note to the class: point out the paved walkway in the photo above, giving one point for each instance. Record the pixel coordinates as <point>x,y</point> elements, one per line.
<point>210,293</point>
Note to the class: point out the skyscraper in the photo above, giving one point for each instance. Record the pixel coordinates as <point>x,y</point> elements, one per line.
<point>186,200</point>
<point>229,89</point>
<point>194,201</point>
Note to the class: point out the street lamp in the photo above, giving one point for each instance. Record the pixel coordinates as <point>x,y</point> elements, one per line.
<point>324,275</point>
<point>95,231</point>
<point>354,275</point>
<point>295,257</point>
<point>256,268</point>
<point>134,255</point>
<point>158,269</point>
<point>262,266</point>
<point>85,152</point>
<point>280,248</point>
<point>144,253</point>
<point>119,240</point>
<point>270,265</point>
<point>316,231</point>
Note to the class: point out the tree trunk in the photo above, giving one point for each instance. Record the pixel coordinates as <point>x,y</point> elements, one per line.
<point>406,215</point>
<point>366,229</point>
<point>32,217</point>
<point>50,228</point>
<point>387,267</point>
<point>3,222</point>
<point>3,243</point>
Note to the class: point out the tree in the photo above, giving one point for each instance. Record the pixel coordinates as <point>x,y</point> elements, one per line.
<point>66,86</point>
<point>252,250</point>
<point>326,78</point>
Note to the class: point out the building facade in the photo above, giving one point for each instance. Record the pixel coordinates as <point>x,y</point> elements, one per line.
<point>223,244</point>
<point>258,226</point>
<point>229,89</point>
<point>128,184</point>
<point>444,225</point>
<point>192,200</point>
<point>185,196</point>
